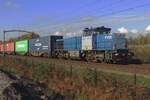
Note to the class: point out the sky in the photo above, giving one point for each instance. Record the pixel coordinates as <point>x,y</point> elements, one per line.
<point>70,16</point>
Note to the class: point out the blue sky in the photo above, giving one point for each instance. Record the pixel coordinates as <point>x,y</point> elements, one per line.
<point>48,16</point>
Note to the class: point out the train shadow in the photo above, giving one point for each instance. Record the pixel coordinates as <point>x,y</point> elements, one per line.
<point>135,61</point>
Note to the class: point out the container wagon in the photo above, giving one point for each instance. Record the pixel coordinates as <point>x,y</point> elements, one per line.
<point>44,46</point>
<point>71,47</point>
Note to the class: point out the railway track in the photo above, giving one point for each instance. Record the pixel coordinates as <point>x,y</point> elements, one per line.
<point>141,69</point>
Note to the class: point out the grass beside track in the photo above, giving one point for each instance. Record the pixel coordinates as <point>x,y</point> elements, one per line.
<point>141,79</point>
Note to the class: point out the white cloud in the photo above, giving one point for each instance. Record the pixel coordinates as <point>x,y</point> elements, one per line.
<point>123,30</point>
<point>10,4</point>
<point>147,28</point>
<point>57,33</point>
<point>134,31</point>
<point>129,33</point>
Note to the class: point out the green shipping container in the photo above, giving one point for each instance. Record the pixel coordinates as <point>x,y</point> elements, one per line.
<point>21,46</point>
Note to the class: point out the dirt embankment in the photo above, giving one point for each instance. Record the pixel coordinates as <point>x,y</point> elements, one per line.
<point>13,88</point>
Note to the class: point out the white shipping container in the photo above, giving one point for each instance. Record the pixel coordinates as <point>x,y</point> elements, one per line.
<point>87,43</point>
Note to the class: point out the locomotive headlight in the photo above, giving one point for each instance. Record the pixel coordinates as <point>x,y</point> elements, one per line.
<point>116,54</point>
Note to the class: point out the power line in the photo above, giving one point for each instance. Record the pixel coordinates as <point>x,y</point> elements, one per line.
<point>129,19</point>
<point>125,10</point>
<point>107,6</point>
<point>119,11</point>
<point>109,14</point>
<point>114,21</point>
<point>99,9</point>
<point>80,9</point>
<point>74,10</point>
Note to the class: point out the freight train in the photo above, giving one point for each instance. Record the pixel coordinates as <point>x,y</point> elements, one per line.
<point>92,46</point>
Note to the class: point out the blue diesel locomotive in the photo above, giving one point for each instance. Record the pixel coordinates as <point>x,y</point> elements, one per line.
<point>95,46</point>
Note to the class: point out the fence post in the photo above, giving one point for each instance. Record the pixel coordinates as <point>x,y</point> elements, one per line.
<point>53,65</point>
<point>71,71</point>
<point>95,77</point>
<point>32,64</point>
<point>135,80</point>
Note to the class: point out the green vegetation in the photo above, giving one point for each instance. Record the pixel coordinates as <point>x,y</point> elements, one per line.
<point>25,37</point>
<point>141,47</point>
<point>140,40</point>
